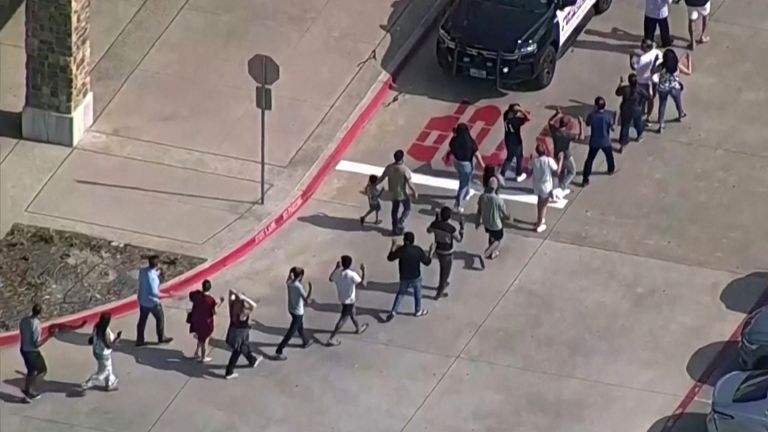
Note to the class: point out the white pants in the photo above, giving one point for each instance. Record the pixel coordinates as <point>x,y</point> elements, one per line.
<point>103,375</point>
<point>696,12</point>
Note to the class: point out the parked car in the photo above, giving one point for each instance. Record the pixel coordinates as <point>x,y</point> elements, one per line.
<point>753,347</point>
<point>511,41</point>
<point>740,403</point>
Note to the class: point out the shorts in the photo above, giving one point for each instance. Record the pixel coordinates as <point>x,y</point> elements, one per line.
<point>495,235</point>
<point>34,362</point>
<point>696,12</point>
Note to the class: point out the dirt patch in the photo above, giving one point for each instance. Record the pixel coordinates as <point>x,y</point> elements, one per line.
<point>68,272</point>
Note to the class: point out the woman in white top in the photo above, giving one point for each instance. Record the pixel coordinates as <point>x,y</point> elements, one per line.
<point>102,341</point>
<point>543,168</point>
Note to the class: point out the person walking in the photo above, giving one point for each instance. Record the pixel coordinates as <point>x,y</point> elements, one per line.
<point>514,119</point>
<point>560,130</point>
<point>239,332</point>
<point>489,172</point>
<point>32,340</point>
<point>464,152</point>
<point>445,235</point>
<point>633,99</point>
<point>657,15</point>
<point>543,184</point>
<point>600,123</point>
<point>200,318</point>
<point>670,85</point>
<point>149,302</point>
<point>102,340</point>
<point>645,63</point>
<point>399,183</point>
<point>410,258</point>
<point>491,213</point>
<point>373,193</point>
<point>297,297</point>
<point>698,10</point>
<point>346,281</point>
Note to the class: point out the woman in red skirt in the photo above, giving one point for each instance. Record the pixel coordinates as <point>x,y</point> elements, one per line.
<point>200,318</point>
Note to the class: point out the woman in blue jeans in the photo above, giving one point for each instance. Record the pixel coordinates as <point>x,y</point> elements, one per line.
<point>670,85</point>
<point>463,150</point>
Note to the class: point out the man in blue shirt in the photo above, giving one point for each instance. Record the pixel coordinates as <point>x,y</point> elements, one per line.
<point>149,302</point>
<point>600,122</point>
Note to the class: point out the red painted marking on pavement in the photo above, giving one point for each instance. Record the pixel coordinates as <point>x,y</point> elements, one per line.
<point>196,276</point>
<point>441,128</point>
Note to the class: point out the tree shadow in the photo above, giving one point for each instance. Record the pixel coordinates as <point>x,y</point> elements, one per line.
<point>713,361</point>
<point>336,223</point>
<point>376,314</point>
<point>685,422</point>
<point>746,293</point>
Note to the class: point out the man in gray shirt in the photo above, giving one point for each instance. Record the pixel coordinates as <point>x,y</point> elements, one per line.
<point>297,297</point>
<point>492,212</point>
<point>31,341</point>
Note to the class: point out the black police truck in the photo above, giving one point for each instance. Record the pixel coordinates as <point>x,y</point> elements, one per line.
<point>510,41</point>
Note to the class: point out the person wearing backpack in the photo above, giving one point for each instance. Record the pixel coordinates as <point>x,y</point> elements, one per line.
<point>102,340</point>
<point>670,85</point>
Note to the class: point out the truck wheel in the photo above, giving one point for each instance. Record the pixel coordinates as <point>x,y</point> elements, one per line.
<point>547,64</point>
<point>602,6</point>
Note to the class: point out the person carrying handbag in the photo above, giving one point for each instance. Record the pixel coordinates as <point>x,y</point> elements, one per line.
<point>670,85</point>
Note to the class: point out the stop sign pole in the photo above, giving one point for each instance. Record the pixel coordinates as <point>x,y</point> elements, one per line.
<point>265,71</point>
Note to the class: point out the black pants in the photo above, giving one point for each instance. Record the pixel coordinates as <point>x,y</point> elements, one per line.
<point>297,326</point>
<point>157,313</point>
<point>446,263</point>
<point>630,120</point>
<point>649,30</point>
<point>398,220</point>
<point>514,154</point>
<point>607,151</point>
<point>241,346</point>
<point>347,312</point>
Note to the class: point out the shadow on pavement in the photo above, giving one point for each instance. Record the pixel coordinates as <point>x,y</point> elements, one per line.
<point>687,422</point>
<point>70,390</point>
<point>336,223</point>
<point>712,361</point>
<point>746,293</point>
<point>377,314</point>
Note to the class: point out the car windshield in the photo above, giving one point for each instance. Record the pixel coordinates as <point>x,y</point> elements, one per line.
<point>753,388</point>
<point>533,5</point>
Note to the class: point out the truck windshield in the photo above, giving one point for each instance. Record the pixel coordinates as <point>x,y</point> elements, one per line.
<point>531,5</point>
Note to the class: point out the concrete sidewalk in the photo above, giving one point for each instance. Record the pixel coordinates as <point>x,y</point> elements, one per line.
<point>176,131</point>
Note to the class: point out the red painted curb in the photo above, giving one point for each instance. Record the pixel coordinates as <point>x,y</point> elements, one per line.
<point>196,276</point>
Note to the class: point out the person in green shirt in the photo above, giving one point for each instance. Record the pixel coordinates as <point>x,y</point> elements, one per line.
<point>491,213</point>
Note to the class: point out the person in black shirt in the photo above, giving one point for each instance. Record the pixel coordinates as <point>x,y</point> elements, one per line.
<point>445,234</point>
<point>514,119</point>
<point>633,100</point>
<point>409,259</point>
<point>560,131</point>
<point>463,149</point>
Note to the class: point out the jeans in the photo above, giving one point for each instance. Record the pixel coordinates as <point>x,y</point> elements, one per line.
<point>403,290</point>
<point>104,374</point>
<point>514,153</point>
<point>446,263</point>
<point>607,151</point>
<point>568,173</point>
<point>347,312</point>
<point>630,120</point>
<point>297,326</point>
<point>241,349</point>
<point>398,220</point>
<point>677,97</point>
<point>649,30</point>
<point>156,312</point>
<point>464,169</point>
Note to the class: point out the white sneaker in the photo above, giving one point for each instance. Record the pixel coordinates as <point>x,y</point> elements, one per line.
<point>231,376</point>
<point>541,228</point>
<point>521,177</point>
<point>565,192</point>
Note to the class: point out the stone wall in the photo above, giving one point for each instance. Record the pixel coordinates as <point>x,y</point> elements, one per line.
<point>58,54</point>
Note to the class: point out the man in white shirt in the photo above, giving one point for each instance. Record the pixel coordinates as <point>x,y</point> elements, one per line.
<point>346,281</point>
<point>644,63</point>
<point>657,15</point>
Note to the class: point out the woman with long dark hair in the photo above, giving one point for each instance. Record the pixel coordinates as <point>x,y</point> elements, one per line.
<point>200,318</point>
<point>103,341</point>
<point>464,152</point>
<point>669,71</point>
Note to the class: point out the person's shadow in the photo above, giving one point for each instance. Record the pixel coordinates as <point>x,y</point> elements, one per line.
<point>336,223</point>
<point>70,390</point>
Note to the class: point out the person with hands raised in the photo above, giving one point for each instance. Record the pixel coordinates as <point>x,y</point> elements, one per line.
<point>239,331</point>
<point>410,258</point>
<point>297,298</point>
<point>347,281</point>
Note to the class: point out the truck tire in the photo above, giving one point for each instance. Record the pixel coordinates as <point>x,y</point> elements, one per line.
<point>547,65</point>
<point>602,6</point>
